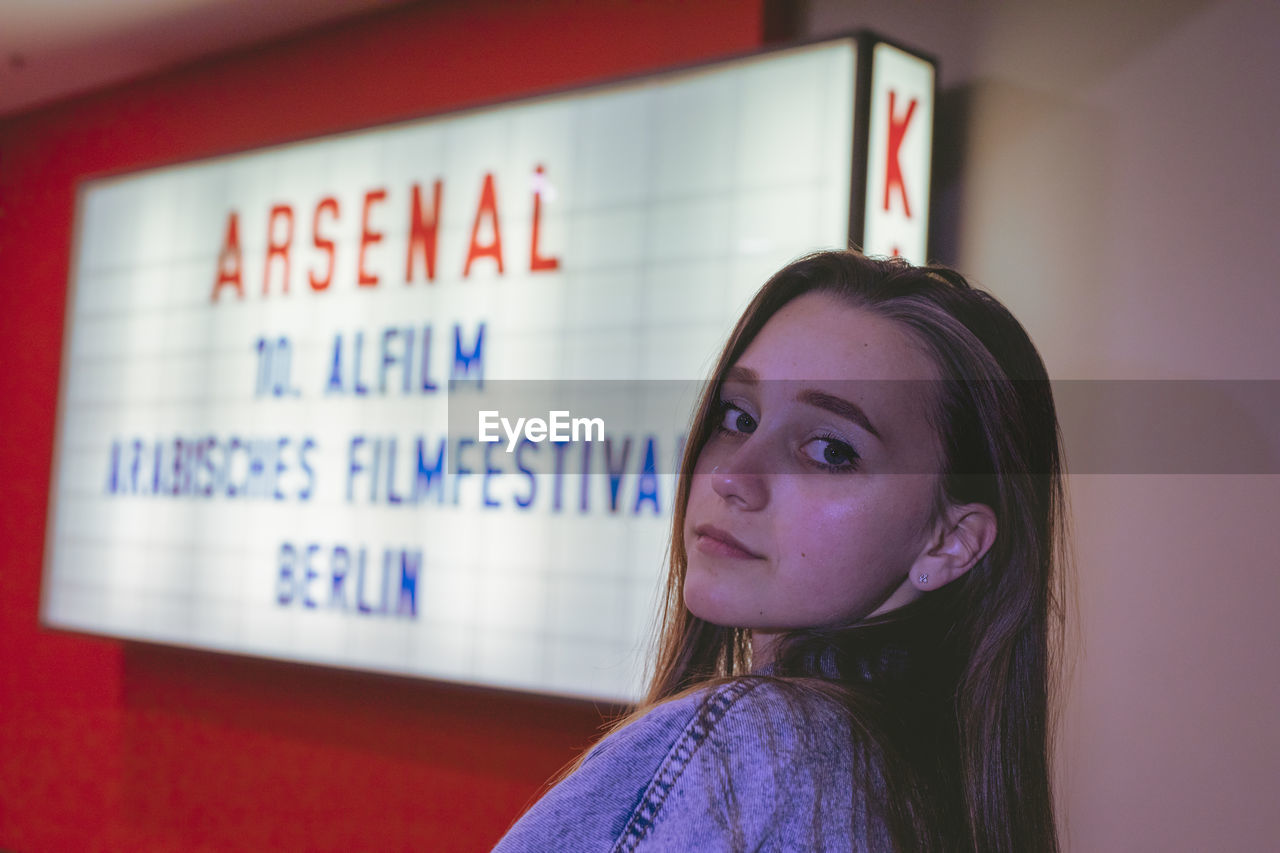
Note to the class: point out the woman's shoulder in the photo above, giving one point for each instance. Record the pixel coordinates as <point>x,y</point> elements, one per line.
<point>782,716</point>
<point>743,720</point>
<point>756,762</point>
<point>765,764</point>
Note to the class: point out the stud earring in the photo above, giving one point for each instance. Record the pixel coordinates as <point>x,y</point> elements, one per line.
<point>922,579</point>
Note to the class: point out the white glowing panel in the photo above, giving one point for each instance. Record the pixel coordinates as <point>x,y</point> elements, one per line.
<point>899,154</point>
<point>254,452</point>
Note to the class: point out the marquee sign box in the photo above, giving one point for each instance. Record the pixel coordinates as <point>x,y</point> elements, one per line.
<point>255,449</point>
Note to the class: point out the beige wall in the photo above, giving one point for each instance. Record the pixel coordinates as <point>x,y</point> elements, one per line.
<point>1112,171</point>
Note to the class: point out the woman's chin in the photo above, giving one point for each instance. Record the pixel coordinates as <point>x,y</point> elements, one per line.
<point>706,601</point>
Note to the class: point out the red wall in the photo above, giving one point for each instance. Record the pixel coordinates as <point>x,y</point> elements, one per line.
<point>116,746</point>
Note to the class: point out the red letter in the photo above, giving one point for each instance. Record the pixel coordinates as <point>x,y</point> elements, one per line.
<point>368,237</point>
<point>537,263</point>
<point>230,252</point>
<point>893,169</point>
<point>278,248</point>
<point>494,249</point>
<point>422,232</point>
<point>330,204</point>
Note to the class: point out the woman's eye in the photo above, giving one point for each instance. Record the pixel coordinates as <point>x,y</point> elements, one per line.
<point>734,419</point>
<point>831,453</point>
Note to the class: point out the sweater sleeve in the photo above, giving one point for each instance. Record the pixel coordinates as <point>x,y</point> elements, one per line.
<point>774,771</point>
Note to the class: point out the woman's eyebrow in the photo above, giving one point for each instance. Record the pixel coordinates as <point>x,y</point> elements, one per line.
<point>846,409</point>
<point>838,406</point>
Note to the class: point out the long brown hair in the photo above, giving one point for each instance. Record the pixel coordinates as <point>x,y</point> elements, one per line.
<point>964,738</point>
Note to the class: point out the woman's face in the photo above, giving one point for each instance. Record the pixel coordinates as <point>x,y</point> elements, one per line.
<point>800,514</point>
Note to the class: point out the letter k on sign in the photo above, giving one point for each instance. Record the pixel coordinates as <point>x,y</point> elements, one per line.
<point>893,169</point>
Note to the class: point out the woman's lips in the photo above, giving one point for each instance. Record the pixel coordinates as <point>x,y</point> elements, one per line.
<point>718,543</point>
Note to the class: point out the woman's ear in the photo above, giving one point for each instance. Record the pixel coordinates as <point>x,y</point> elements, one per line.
<point>963,535</point>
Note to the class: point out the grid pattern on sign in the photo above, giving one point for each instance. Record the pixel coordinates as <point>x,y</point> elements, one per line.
<point>666,202</point>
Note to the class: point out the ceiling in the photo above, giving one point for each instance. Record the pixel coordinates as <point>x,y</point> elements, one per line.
<point>50,49</point>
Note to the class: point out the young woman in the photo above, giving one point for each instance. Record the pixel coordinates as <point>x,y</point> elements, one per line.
<point>864,600</point>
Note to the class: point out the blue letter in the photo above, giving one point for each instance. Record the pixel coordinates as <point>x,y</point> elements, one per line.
<point>353,467</point>
<point>284,583</point>
<point>407,373</point>
<point>427,384</point>
<point>463,361</point>
<point>360,387</point>
<point>558,476</point>
<point>304,494</point>
<point>429,475</point>
<point>615,471</point>
<point>281,466</point>
<point>409,565</point>
<point>392,497</point>
<point>524,503</point>
<point>339,564</point>
<point>335,372</point>
<point>309,574</point>
<point>388,358</point>
<point>648,488</point>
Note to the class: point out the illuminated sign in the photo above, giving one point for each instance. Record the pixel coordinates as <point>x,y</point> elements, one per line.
<point>265,444</point>
<point>899,154</point>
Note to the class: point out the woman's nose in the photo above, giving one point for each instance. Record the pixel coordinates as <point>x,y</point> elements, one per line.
<point>739,480</point>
